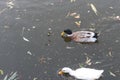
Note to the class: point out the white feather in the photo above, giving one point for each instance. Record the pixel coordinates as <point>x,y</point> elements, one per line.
<point>84,73</point>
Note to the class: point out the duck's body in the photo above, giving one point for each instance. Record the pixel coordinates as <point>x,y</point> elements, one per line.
<point>80,36</point>
<point>83,73</point>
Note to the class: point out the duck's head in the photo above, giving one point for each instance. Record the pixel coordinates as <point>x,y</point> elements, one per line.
<point>66,32</point>
<point>64,70</point>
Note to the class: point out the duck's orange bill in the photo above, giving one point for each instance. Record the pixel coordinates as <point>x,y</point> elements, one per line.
<point>60,72</point>
<point>62,33</point>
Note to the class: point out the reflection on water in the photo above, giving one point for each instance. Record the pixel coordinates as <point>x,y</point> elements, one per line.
<point>31,45</point>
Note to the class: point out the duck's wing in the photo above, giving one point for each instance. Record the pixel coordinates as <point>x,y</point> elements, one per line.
<point>88,74</point>
<point>84,36</point>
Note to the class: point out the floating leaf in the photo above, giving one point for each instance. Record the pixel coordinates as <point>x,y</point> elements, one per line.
<point>49,29</point>
<point>72,1</point>
<point>68,47</point>
<point>68,14</point>
<point>6,27</point>
<point>78,23</point>
<point>112,74</point>
<point>42,60</point>
<point>22,32</point>
<point>35,78</point>
<point>94,9</point>
<point>110,53</point>
<point>49,32</point>
<point>98,62</point>
<point>10,4</point>
<point>13,76</point>
<point>111,7</point>
<point>73,14</point>
<point>88,61</point>
<point>1,72</point>
<point>92,29</point>
<point>3,10</point>
<point>117,17</point>
<point>17,18</point>
<point>77,16</point>
<point>5,78</point>
<point>28,52</point>
<point>25,39</point>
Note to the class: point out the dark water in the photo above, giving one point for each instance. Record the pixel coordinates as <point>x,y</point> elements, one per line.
<point>30,41</point>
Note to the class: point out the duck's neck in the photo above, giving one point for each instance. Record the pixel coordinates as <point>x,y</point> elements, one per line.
<point>70,35</point>
<point>72,72</point>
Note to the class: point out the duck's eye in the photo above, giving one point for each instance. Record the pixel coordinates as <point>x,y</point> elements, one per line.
<point>88,33</point>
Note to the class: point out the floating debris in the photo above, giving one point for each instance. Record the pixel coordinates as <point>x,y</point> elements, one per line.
<point>77,16</point>
<point>111,7</point>
<point>88,61</point>
<point>51,4</point>
<point>88,11</point>
<point>72,1</point>
<point>68,47</point>
<point>98,62</point>
<point>28,52</point>
<point>113,17</point>
<point>49,32</point>
<point>78,23</point>
<point>112,74</point>
<point>17,18</point>
<point>49,29</point>
<point>3,10</point>
<point>6,27</point>
<point>22,32</point>
<point>35,78</point>
<point>116,41</point>
<point>37,19</point>
<point>68,14</point>
<point>94,9</point>
<point>117,17</point>
<point>92,27</point>
<point>25,39</point>
<point>28,29</point>
<point>42,59</point>
<point>1,72</point>
<point>10,4</point>
<point>110,53</point>
<point>73,14</point>
<point>33,27</point>
<point>13,76</point>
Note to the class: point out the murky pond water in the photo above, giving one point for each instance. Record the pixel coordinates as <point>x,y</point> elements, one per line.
<point>31,45</point>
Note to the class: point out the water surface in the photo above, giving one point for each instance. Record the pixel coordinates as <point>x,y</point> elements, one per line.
<point>30,41</point>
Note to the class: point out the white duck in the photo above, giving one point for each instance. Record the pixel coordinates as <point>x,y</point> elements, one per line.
<point>82,73</point>
<point>80,36</point>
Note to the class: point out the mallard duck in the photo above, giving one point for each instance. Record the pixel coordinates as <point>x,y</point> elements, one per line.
<point>80,36</point>
<point>82,73</point>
